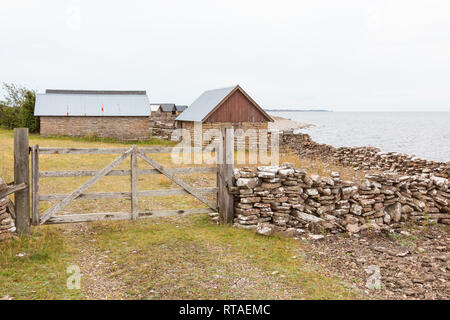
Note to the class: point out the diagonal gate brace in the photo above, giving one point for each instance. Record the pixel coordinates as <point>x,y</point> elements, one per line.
<point>178,181</point>
<point>63,203</point>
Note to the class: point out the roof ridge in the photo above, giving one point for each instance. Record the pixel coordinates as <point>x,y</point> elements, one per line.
<point>229,87</point>
<point>105,92</point>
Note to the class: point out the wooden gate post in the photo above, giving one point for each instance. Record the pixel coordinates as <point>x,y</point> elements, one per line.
<point>35,185</point>
<point>225,160</point>
<point>22,175</point>
<point>134,185</point>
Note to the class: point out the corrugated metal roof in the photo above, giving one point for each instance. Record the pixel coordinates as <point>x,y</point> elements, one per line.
<point>80,103</point>
<point>204,104</point>
<point>64,91</point>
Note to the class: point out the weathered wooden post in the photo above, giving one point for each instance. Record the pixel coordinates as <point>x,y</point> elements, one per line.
<point>225,160</point>
<point>35,185</point>
<point>134,185</point>
<point>22,175</point>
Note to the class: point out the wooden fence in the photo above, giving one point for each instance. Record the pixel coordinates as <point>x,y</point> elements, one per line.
<point>224,169</point>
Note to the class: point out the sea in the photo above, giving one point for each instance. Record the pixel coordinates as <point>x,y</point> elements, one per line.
<point>423,134</point>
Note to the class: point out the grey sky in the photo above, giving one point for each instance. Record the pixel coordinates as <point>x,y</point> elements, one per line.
<point>342,55</point>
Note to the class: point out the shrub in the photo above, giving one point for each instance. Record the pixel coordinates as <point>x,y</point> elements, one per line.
<point>9,117</point>
<point>27,118</point>
<point>17,108</point>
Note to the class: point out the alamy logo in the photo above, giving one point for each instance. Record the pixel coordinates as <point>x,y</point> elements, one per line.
<point>374,280</point>
<point>253,146</point>
<point>74,280</point>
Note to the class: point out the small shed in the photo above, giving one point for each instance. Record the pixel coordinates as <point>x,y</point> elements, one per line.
<point>224,107</point>
<point>167,110</point>
<point>103,113</point>
<point>180,108</point>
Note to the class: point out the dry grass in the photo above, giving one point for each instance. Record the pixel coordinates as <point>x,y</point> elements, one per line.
<point>324,167</point>
<point>68,162</point>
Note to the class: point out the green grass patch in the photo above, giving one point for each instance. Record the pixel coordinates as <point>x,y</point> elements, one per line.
<point>34,267</point>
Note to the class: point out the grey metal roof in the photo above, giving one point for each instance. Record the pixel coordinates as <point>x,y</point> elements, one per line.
<point>198,110</point>
<point>181,108</point>
<point>58,91</point>
<point>167,107</point>
<point>92,103</point>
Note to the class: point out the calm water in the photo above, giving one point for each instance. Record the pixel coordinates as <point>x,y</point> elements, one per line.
<point>424,134</point>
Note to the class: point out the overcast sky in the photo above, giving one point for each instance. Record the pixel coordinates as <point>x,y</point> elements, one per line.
<point>346,55</point>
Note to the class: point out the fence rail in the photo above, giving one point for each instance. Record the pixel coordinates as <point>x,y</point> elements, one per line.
<point>125,194</point>
<point>88,217</point>
<point>89,173</point>
<point>113,150</point>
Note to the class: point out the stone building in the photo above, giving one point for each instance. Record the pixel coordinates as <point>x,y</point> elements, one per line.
<point>115,114</point>
<point>224,107</point>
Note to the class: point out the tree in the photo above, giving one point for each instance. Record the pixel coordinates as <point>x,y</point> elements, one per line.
<point>26,115</point>
<point>9,117</point>
<point>15,94</point>
<point>17,110</point>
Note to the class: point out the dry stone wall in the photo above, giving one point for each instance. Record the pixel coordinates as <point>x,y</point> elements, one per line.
<point>7,225</point>
<point>362,158</point>
<point>285,199</point>
<point>162,124</point>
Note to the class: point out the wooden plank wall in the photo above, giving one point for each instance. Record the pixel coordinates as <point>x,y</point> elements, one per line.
<point>237,108</point>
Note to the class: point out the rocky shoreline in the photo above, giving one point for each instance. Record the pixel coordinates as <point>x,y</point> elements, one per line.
<point>285,124</point>
<point>361,158</point>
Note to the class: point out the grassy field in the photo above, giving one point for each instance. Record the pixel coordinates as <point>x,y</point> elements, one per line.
<point>164,258</point>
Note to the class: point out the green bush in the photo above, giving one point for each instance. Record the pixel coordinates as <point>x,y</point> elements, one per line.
<point>9,117</point>
<point>23,116</point>
<point>26,114</point>
<point>17,108</point>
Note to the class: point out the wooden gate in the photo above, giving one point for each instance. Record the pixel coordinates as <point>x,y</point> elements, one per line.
<point>50,215</point>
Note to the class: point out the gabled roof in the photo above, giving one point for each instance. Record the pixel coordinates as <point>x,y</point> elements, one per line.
<point>154,107</point>
<point>167,107</point>
<point>92,103</point>
<point>181,108</point>
<point>209,101</point>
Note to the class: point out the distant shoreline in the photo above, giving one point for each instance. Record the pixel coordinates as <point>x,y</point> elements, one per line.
<point>297,110</point>
<point>284,124</point>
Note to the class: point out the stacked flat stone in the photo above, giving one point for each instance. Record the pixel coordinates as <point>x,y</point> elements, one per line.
<point>282,198</point>
<point>7,226</point>
<point>362,158</point>
<point>367,158</point>
<point>162,128</point>
<point>247,215</point>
